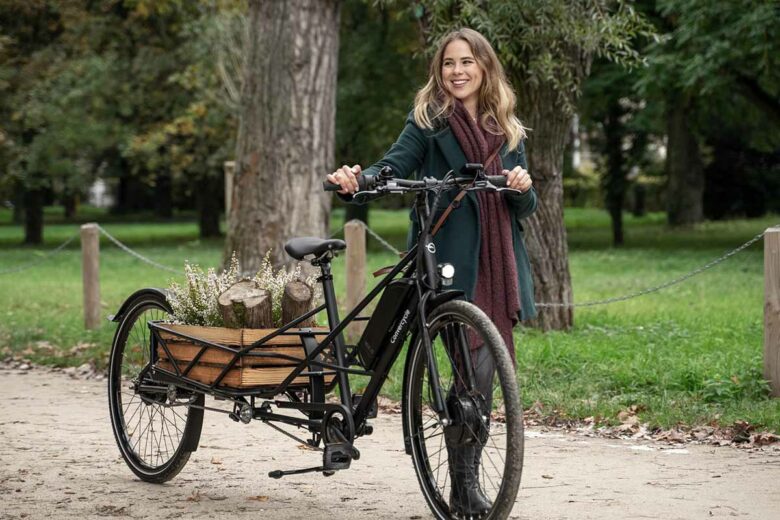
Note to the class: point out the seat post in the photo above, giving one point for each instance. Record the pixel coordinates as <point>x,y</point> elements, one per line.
<point>331,307</point>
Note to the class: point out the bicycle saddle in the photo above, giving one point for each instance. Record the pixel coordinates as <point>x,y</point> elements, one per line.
<point>302,246</point>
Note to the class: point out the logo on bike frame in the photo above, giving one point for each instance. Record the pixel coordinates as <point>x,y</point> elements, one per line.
<point>401,325</point>
<point>430,247</point>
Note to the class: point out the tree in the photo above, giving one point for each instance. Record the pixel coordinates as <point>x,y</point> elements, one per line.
<point>713,56</point>
<point>286,129</point>
<point>615,117</point>
<point>547,48</point>
<point>380,69</point>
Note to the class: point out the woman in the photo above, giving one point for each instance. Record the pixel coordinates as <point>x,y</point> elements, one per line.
<point>465,113</point>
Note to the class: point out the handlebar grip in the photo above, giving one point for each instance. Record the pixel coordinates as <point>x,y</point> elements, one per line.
<point>365,183</point>
<point>499,181</point>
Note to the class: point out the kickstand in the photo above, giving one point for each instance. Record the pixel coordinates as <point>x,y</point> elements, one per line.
<point>280,473</point>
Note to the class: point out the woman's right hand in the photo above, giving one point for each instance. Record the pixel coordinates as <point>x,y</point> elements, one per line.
<point>346,177</point>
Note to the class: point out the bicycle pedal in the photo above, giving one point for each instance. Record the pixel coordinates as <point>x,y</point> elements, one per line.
<point>338,456</point>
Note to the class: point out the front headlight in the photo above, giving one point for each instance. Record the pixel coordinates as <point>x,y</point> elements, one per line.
<point>447,274</point>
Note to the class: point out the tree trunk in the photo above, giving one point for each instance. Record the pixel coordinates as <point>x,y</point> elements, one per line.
<point>208,201</point>
<point>33,216</point>
<point>163,195</point>
<point>18,200</point>
<point>296,301</point>
<point>615,181</point>
<point>287,129</point>
<point>546,236</point>
<point>70,204</point>
<point>685,192</point>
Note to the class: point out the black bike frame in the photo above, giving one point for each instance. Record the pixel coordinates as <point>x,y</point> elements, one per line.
<point>422,272</point>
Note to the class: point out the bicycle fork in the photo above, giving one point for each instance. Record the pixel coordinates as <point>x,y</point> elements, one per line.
<point>433,371</point>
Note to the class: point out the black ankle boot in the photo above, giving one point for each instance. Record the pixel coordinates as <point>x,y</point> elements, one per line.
<point>477,460</point>
<point>466,498</point>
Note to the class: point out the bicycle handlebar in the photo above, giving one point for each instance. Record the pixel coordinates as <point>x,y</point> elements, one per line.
<point>388,184</point>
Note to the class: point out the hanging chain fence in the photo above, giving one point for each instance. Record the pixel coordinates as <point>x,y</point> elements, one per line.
<point>395,251</point>
<point>48,255</point>
<point>137,255</point>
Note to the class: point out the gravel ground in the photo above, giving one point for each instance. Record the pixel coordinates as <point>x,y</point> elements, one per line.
<point>58,459</point>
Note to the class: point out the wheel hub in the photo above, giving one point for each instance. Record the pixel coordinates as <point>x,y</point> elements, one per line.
<point>466,421</point>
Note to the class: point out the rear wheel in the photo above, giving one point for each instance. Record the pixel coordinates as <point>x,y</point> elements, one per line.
<point>472,467</point>
<point>155,430</point>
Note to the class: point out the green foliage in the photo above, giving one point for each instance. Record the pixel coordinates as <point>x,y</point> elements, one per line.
<point>112,88</point>
<point>546,44</point>
<point>380,70</point>
<point>724,56</point>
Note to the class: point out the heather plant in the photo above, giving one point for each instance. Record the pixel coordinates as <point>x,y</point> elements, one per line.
<point>195,302</point>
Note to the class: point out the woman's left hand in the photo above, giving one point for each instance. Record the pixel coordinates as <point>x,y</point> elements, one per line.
<point>518,179</point>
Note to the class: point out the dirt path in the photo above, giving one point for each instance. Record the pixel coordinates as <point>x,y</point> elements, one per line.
<point>58,460</point>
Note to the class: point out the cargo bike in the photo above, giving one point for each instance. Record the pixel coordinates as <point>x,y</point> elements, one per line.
<point>461,411</point>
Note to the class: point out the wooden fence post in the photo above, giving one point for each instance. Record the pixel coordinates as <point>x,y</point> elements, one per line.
<point>230,170</point>
<point>772,309</point>
<point>90,269</point>
<point>355,236</point>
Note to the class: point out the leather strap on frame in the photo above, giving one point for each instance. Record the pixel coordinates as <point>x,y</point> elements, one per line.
<point>456,201</point>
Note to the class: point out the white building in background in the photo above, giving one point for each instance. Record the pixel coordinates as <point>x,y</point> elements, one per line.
<point>99,194</point>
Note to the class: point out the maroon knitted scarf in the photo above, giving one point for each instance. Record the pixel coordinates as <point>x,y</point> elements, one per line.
<point>496,293</point>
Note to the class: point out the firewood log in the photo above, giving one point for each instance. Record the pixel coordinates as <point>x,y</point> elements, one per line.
<point>246,305</point>
<point>296,301</point>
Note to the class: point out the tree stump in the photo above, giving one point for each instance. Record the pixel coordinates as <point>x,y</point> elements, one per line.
<point>246,305</point>
<point>296,301</point>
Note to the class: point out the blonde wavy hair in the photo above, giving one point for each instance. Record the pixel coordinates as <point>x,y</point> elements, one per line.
<point>497,100</point>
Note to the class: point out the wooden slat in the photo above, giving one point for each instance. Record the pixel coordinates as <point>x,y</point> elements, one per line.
<point>221,335</point>
<point>226,336</point>
<point>252,335</point>
<point>187,351</point>
<point>241,377</point>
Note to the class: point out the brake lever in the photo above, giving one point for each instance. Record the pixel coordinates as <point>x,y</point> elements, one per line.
<point>365,193</point>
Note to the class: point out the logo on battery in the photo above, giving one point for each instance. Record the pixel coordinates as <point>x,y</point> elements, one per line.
<point>401,325</point>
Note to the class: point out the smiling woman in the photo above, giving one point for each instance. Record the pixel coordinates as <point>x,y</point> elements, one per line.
<point>465,114</point>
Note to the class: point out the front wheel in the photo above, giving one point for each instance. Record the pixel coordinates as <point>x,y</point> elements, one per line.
<point>470,468</point>
<point>155,431</point>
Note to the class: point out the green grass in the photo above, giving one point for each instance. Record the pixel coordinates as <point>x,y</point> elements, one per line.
<point>690,354</point>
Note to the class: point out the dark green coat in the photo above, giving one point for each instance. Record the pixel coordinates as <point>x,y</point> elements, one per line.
<point>432,153</point>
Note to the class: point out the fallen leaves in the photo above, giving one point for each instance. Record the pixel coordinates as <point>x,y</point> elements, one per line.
<point>740,434</point>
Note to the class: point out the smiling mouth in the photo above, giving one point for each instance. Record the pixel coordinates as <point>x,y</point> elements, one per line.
<point>459,82</point>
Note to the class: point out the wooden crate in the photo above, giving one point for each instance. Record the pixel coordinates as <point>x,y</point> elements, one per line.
<point>249,371</point>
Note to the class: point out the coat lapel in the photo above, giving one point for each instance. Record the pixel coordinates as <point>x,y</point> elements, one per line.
<point>451,151</point>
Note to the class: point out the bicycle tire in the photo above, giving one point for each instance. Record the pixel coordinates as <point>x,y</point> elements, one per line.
<point>135,418</point>
<point>422,425</point>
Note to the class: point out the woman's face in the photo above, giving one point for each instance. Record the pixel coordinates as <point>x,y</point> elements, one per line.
<point>461,74</point>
